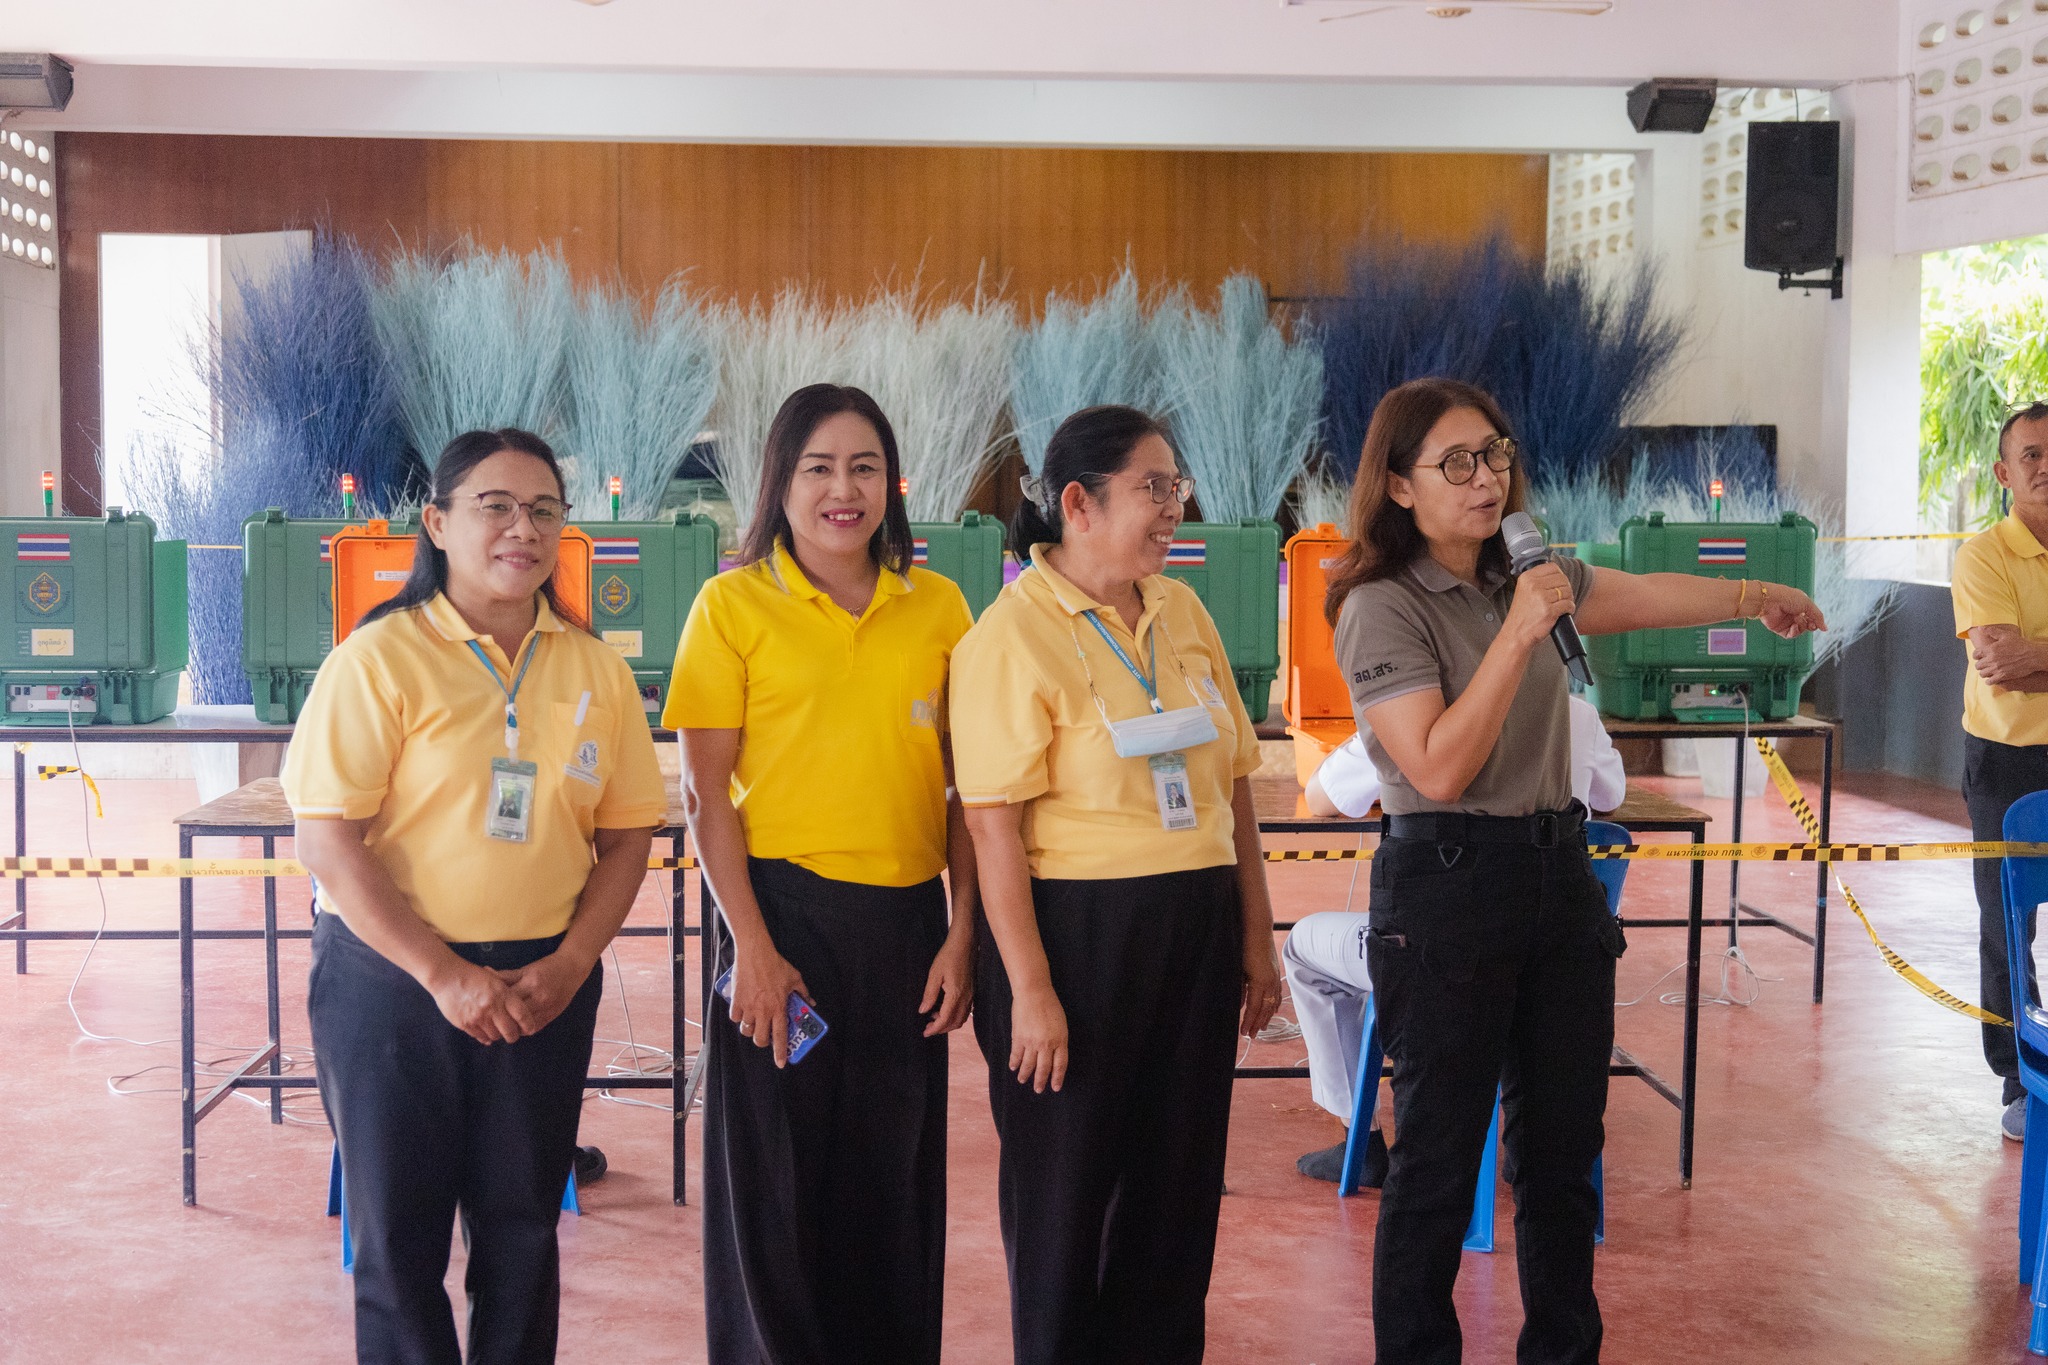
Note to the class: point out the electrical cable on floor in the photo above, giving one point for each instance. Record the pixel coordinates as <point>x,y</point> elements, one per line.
<point>288,1063</point>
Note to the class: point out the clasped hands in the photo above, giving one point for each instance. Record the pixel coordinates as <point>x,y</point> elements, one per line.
<point>502,1006</point>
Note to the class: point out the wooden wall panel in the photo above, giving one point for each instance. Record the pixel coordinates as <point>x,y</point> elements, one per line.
<point>746,220</point>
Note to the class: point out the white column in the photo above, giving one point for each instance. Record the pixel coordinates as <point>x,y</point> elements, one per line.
<point>1871,395</point>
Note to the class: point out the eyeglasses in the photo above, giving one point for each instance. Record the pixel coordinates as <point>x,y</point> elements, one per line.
<point>1163,486</point>
<point>1458,466</point>
<point>500,512</point>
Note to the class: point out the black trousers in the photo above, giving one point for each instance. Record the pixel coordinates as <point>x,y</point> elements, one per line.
<point>1109,1188</point>
<point>1994,776</point>
<point>430,1122</point>
<point>1493,965</point>
<point>825,1182</point>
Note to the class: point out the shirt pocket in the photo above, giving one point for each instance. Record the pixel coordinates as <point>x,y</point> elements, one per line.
<point>581,750</point>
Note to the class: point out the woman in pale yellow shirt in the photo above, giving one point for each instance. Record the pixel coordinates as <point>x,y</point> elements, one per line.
<point>1104,757</point>
<point>476,791</point>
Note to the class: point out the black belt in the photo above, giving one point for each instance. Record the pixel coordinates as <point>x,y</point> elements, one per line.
<point>1545,829</point>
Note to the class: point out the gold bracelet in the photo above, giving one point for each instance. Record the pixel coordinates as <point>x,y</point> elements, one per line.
<point>1763,599</point>
<point>1739,600</point>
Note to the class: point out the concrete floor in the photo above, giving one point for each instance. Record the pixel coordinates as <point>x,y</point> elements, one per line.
<point>1853,1201</point>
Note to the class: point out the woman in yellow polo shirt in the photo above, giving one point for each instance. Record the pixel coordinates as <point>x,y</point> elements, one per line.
<point>476,791</point>
<point>810,690</point>
<point>1104,757</point>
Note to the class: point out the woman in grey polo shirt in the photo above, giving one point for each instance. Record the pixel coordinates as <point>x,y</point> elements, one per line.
<point>1489,939</point>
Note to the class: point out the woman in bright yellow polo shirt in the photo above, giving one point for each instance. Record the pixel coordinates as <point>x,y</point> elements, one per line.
<point>476,791</point>
<point>810,690</point>
<point>1104,755</point>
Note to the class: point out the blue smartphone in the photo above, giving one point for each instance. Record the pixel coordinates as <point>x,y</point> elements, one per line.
<point>806,1025</point>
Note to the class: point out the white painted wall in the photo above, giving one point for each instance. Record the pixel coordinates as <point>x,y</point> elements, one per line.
<point>28,385</point>
<point>852,110</point>
<point>1777,42</point>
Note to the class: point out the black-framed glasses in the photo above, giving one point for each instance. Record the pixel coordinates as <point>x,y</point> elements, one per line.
<point>1458,466</point>
<point>500,511</point>
<point>1162,486</point>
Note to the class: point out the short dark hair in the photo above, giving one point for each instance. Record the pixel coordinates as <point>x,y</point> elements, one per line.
<point>1087,449</point>
<point>2032,412</point>
<point>429,574</point>
<point>799,418</point>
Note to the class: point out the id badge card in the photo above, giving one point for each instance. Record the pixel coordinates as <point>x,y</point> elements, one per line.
<point>508,808</point>
<point>1170,786</point>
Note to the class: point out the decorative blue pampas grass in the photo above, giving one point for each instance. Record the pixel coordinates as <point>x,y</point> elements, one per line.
<point>941,372</point>
<point>1575,358</point>
<point>639,390</point>
<point>1319,499</point>
<point>1081,354</point>
<point>770,351</point>
<point>1246,405</point>
<point>477,342</point>
<point>1590,509</point>
<point>302,385</point>
<point>1570,359</point>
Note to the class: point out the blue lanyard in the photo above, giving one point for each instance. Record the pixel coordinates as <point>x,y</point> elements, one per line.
<point>511,693</point>
<point>1150,686</point>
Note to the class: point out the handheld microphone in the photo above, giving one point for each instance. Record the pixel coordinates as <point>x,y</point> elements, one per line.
<point>1526,550</point>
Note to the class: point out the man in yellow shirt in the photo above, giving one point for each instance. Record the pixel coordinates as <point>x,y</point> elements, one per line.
<point>2001,599</point>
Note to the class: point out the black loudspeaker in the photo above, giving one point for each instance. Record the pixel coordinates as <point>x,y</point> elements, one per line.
<point>1672,106</point>
<point>1794,194</point>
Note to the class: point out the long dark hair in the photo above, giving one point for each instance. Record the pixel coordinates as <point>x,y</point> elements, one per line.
<point>799,418</point>
<point>1088,448</point>
<point>429,563</point>
<point>1384,536</point>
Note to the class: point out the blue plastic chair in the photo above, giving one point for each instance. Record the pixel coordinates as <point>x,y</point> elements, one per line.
<point>2026,887</point>
<point>1479,1232</point>
<point>337,1205</point>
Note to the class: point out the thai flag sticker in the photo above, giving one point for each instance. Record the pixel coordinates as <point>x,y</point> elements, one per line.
<point>326,549</point>
<point>920,550</point>
<point>1724,552</point>
<point>1187,553</point>
<point>43,547</point>
<point>615,550</point>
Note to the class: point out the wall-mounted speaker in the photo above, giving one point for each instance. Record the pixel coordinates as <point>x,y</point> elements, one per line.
<point>1794,197</point>
<point>1672,105</point>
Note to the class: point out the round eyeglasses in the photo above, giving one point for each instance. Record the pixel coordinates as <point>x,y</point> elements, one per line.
<point>1458,466</point>
<point>1163,486</point>
<point>501,510</point>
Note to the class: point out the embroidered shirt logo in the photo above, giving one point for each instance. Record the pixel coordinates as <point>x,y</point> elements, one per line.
<point>1377,671</point>
<point>924,710</point>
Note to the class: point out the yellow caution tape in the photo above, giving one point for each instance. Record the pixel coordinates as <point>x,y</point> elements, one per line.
<point>48,771</point>
<point>1788,787</point>
<point>1736,853</point>
<point>20,869</point>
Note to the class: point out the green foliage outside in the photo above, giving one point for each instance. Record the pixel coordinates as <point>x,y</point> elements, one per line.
<point>1983,348</point>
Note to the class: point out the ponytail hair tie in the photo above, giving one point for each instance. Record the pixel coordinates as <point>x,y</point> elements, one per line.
<point>1033,488</point>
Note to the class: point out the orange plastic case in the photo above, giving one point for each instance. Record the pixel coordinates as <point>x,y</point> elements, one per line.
<point>371,563</point>
<point>1317,704</point>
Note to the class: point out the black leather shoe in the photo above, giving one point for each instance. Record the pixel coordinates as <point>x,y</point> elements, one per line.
<point>590,1165</point>
<point>1328,1164</point>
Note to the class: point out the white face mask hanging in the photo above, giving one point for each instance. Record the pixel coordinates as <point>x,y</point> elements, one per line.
<point>1158,732</point>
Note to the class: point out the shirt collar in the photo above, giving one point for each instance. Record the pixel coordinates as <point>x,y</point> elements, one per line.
<point>789,576</point>
<point>1434,577</point>
<point>1151,590</point>
<point>448,622</point>
<point>2018,539</point>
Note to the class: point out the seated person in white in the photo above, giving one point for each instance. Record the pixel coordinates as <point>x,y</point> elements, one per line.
<point>1324,954</point>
